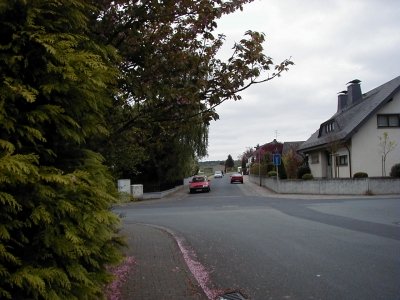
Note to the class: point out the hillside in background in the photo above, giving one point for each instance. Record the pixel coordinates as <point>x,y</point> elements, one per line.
<point>209,167</point>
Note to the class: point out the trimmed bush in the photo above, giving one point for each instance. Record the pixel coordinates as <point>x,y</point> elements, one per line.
<point>360,175</point>
<point>395,171</point>
<point>264,169</point>
<point>307,176</point>
<point>303,170</point>
<point>272,174</point>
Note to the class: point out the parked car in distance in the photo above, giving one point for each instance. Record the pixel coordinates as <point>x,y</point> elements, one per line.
<point>199,183</point>
<point>218,174</point>
<point>237,177</point>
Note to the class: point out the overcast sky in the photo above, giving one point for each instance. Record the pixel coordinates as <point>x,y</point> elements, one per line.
<point>331,43</point>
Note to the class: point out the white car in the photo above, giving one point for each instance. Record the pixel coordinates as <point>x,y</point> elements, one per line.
<point>218,174</point>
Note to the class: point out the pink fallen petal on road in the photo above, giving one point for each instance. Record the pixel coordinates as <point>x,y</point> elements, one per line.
<point>113,290</point>
<point>197,269</point>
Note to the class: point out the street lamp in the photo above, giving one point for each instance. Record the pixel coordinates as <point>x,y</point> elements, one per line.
<point>259,161</point>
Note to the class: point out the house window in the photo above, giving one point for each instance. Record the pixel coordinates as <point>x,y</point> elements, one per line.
<point>329,127</point>
<point>315,158</point>
<point>341,160</point>
<point>389,120</point>
<point>326,128</point>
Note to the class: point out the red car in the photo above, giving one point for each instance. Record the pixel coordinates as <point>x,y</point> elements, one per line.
<point>237,178</point>
<point>199,184</point>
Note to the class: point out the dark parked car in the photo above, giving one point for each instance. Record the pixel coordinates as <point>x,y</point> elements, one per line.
<point>199,184</point>
<point>237,177</point>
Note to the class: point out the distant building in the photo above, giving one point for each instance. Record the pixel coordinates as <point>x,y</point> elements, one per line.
<point>275,147</point>
<point>349,142</point>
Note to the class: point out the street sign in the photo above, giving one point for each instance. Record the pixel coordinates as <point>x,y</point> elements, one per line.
<point>276,158</point>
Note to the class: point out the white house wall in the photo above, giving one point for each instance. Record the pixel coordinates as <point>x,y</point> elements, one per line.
<point>366,153</point>
<point>316,167</point>
<point>341,171</point>
<point>324,165</point>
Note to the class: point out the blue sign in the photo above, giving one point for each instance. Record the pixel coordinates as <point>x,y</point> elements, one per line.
<point>276,158</point>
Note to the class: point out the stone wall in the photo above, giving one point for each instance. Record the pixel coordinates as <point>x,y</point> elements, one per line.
<point>343,186</point>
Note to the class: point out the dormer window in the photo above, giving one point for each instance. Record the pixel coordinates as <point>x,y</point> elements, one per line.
<point>326,128</point>
<point>329,127</point>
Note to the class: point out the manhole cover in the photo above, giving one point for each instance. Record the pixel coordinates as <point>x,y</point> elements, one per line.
<point>232,296</point>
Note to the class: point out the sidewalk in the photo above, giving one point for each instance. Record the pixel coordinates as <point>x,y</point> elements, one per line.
<point>160,271</point>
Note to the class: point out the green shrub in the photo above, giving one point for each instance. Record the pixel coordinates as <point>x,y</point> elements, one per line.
<point>126,198</point>
<point>307,176</point>
<point>395,171</point>
<point>360,175</point>
<point>263,169</point>
<point>272,174</point>
<point>303,170</point>
<point>58,233</point>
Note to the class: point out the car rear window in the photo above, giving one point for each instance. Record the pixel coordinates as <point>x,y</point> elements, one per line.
<point>198,179</point>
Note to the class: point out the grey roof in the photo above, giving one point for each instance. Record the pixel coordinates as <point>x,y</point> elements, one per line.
<point>291,145</point>
<point>347,122</point>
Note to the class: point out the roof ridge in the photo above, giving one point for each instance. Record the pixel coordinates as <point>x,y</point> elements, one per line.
<point>355,115</point>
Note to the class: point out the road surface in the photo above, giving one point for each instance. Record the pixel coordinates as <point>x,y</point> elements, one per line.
<point>272,247</point>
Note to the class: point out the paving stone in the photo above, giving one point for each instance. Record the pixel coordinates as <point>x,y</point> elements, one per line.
<point>160,271</point>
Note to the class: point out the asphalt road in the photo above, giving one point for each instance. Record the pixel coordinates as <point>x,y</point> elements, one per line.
<point>273,247</point>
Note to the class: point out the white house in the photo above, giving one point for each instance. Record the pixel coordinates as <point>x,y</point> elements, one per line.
<point>351,140</point>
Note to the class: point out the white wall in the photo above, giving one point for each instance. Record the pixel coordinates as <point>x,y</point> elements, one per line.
<point>366,153</point>
<point>316,168</point>
<point>362,186</point>
<point>322,170</point>
<point>342,171</point>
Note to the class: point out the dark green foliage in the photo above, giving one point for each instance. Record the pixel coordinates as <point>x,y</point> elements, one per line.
<point>57,233</point>
<point>395,171</point>
<point>172,80</point>
<point>303,170</point>
<point>272,174</point>
<point>229,163</point>
<point>307,176</point>
<point>282,170</point>
<point>360,175</point>
<point>244,162</point>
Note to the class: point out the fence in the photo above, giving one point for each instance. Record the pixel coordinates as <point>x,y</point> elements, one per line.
<point>339,186</point>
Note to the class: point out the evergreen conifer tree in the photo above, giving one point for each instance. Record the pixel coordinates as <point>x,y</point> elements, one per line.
<point>57,233</point>
<point>229,162</point>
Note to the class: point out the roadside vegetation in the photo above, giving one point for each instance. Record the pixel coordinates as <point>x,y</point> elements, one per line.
<point>92,91</point>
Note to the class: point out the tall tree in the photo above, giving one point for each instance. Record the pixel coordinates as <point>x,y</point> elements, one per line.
<point>172,79</point>
<point>57,233</point>
<point>229,163</point>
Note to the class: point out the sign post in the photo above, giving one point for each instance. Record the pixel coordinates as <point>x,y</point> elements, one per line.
<point>276,158</point>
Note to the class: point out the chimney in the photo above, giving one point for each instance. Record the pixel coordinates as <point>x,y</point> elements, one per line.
<point>353,92</point>
<point>342,101</point>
